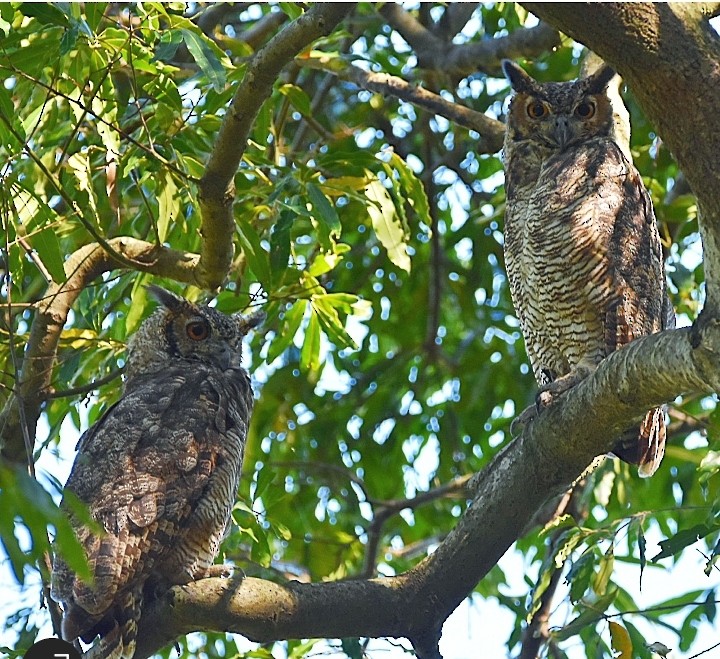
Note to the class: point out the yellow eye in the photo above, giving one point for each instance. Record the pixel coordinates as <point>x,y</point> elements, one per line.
<point>537,110</point>
<point>197,330</point>
<point>585,110</point>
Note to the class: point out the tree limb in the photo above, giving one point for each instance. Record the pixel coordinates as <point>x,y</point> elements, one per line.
<point>552,452</point>
<point>491,130</point>
<point>32,385</point>
<point>437,54</point>
<point>216,189</point>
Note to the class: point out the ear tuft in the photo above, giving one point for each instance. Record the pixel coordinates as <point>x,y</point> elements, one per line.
<point>166,298</point>
<point>520,81</point>
<point>598,81</point>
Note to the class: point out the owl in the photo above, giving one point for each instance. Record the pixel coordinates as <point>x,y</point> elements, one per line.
<point>582,247</point>
<point>158,473</point>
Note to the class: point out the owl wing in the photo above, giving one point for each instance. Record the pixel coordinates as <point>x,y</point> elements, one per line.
<point>641,305</point>
<point>635,258</point>
<point>142,470</point>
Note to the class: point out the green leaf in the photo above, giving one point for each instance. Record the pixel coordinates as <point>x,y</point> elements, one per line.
<point>591,613</point>
<point>291,323</point>
<point>310,352</point>
<point>138,304</point>
<point>168,205</point>
<point>170,41</point>
<point>94,12</point>
<point>324,213</point>
<point>299,99</point>
<point>413,187</point>
<point>205,58</point>
<point>280,245</point>
<point>602,578</point>
<point>256,256</point>
<point>45,12</point>
<point>386,224</point>
<point>331,324</point>
<point>682,539</point>
<point>47,245</point>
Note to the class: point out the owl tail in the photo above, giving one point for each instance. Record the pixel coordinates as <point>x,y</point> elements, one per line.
<point>645,447</point>
<point>118,630</point>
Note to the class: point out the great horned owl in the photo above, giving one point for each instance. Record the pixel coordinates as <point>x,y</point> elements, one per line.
<point>158,472</point>
<point>582,247</point>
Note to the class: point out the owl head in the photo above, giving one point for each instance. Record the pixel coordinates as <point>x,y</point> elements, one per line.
<point>181,331</point>
<point>559,115</point>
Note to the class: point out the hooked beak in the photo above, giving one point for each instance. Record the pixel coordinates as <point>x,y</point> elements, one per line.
<point>561,132</point>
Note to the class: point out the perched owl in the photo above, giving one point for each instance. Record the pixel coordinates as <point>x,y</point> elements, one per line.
<point>158,472</point>
<point>582,247</point>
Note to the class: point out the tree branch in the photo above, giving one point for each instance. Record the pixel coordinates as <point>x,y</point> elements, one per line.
<point>491,130</point>
<point>216,189</point>
<point>553,451</point>
<point>32,385</point>
<point>435,53</point>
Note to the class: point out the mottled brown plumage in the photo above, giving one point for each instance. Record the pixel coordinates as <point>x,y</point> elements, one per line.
<point>158,472</point>
<point>582,247</point>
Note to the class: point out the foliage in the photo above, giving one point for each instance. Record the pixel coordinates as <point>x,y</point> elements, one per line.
<point>370,231</point>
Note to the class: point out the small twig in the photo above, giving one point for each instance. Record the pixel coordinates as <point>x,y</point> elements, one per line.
<point>85,388</point>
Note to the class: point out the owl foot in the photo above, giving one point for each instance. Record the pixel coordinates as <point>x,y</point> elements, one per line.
<point>224,570</point>
<point>550,391</point>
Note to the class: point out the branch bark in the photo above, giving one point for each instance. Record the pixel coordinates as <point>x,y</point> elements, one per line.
<point>491,130</point>
<point>216,191</point>
<point>669,56</point>
<point>553,451</point>
<point>437,54</point>
<point>19,417</point>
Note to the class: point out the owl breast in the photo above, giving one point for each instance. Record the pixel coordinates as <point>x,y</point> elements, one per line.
<point>559,226</point>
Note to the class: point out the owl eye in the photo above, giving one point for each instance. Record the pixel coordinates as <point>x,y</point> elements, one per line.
<point>537,110</point>
<point>197,330</point>
<point>585,110</point>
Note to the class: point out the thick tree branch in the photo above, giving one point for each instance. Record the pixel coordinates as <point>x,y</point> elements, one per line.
<point>491,130</point>
<point>435,53</point>
<point>33,382</point>
<point>669,55</point>
<point>554,450</point>
<point>216,189</point>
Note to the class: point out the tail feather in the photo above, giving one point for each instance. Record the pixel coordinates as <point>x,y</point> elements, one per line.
<point>645,446</point>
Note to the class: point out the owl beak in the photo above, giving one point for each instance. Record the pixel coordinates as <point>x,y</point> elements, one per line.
<point>229,359</point>
<point>561,132</point>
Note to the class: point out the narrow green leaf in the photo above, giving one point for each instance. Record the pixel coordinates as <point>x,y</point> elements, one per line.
<point>591,613</point>
<point>47,245</point>
<point>386,224</point>
<point>170,41</point>
<point>168,205</point>
<point>310,353</point>
<point>326,216</point>
<point>331,323</point>
<point>94,12</point>
<point>682,539</point>
<point>297,96</point>
<point>205,58</point>
<point>138,304</point>
<point>413,187</point>
<point>280,245</point>
<point>602,577</point>
<point>291,323</point>
<point>257,257</point>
